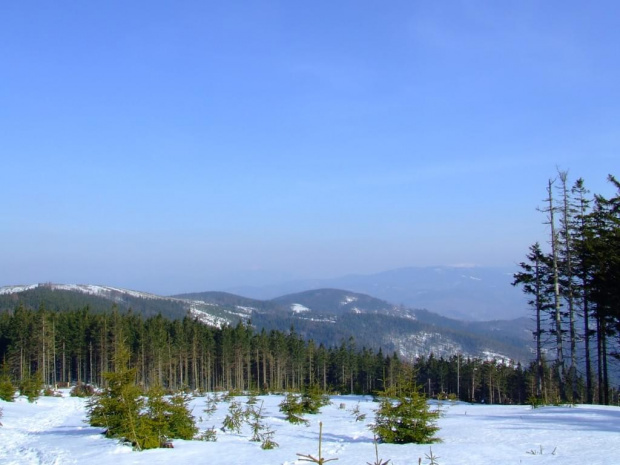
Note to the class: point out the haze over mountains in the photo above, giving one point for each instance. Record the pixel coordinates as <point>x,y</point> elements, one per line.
<point>460,292</point>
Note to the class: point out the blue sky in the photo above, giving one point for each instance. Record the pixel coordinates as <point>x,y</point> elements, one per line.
<point>196,145</point>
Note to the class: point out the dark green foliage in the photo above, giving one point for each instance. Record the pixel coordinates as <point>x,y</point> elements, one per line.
<point>81,346</point>
<point>181,423</point>
<point>292,406</point>
<point>313,399</point>
<point>118,407</point>
<point>7,388</point>
<point>404,415</point>
<point>579,291</point>
<point>146,423</point>
<point>168,418</point>
<point>235,417</point>
<point>31,386</point>
<point>60,300</point>
<point>535,401</point>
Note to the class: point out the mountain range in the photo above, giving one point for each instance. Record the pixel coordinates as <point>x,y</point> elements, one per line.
<point>461,292</point>
<point>327,316</point>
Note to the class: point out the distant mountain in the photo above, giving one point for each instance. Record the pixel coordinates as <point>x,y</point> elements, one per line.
<point>465,293</point>
<point>103,298</point>
<point>328,316</point>
<point>225,299</point>
<point>337,302</point>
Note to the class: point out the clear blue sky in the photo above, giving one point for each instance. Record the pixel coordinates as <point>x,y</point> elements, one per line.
<point>194,145</point>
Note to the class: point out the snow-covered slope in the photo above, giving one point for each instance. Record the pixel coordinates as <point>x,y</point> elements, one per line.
<point>53,431</point>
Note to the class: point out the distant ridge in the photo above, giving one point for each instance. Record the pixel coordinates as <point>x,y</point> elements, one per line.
<point>327,316</point>
<point>461,292</point>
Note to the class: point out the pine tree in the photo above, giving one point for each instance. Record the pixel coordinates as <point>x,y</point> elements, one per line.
<point>292,407</point>
<point>7,388</point>
<point>181,423</point>
<point>404,415</point>
<point>31,386</point>
<point>118,407</point>
<point>313,399</point>
<point>536,280</point>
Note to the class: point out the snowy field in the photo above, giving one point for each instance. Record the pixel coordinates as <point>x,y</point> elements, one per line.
<point>53,431</point>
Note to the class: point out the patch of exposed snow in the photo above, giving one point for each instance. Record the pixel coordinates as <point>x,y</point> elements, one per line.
<point>497,358</point>
<point>246,310</point>
<point>348,299</point>
<point>319,320</point>
<point>208,319</point>
<point>16,289</point>
<point>298,308</point>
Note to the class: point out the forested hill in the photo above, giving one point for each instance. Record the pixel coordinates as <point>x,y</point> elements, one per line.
<point>226,299</point>
<point>97,298</point>
<point>327,316</point>
<point>338,302</point>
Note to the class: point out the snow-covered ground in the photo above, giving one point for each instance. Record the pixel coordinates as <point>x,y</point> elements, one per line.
<point>52,431</point>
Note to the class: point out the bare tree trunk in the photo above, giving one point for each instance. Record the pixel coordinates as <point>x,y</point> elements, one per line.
<point>568,271</point>
<point>559,362</point>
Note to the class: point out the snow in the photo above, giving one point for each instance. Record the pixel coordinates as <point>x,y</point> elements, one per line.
<point>207,318</point>
<point>299,308</point>
<point>53,431</point>
<point>84,288</point>
<point>14,289</point>
<point>246,310</point>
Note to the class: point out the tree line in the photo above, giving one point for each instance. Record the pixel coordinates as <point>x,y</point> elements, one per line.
<point>80,347</point>
<point>574,291</point>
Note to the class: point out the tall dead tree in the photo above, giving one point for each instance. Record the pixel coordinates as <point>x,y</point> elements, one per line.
<point>557,301</point>
<point>568,277</point>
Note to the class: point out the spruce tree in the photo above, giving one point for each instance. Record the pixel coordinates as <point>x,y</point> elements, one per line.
<point>118,407</point>
<point>31,386</point>
<point>146,423</point>
<point>535,278</point>
<point>7,388</point>
<point>181,423</point>
<point>404,415</point>
<point>292,407</point>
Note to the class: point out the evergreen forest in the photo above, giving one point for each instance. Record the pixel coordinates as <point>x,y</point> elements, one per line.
<point>573,292</point>
<point>80,347</point>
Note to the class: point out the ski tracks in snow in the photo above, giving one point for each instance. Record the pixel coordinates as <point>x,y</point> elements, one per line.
<point>25,439</point>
